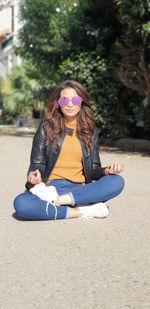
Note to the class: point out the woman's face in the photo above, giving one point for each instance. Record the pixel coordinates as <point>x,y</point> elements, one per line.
<point>71,110</point>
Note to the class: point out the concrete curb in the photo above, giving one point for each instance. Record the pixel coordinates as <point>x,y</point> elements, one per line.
<point>130,144</point>
<point>124,144</point>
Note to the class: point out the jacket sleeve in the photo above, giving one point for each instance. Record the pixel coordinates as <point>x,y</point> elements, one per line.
<point>97,170</point>
<point>37,158</point>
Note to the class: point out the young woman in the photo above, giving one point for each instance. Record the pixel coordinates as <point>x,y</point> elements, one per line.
<point>65,155</point>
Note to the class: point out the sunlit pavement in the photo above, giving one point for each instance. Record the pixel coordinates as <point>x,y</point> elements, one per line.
<point>75,264</point>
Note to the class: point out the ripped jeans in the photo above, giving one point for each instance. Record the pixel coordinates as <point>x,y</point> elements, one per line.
<point>31,207</point>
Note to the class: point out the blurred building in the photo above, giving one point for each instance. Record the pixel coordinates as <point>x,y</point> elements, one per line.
<point>9,27</point>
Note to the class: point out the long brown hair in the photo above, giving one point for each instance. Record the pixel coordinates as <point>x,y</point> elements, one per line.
<point>54,120</point>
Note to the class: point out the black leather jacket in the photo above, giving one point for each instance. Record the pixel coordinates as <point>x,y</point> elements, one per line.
<point>44,157</point>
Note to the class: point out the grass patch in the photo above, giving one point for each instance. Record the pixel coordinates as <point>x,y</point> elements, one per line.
<point>13,130</point>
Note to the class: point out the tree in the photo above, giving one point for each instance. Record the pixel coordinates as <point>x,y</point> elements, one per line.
<point>98,43</point>
<point>18,90</point>
<point>44,37</point>
<point>133,46</point>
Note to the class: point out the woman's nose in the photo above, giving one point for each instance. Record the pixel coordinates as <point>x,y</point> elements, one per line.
<point>70,102</point>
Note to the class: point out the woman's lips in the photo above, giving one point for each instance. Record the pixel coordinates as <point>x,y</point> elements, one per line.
<point>69,110</point>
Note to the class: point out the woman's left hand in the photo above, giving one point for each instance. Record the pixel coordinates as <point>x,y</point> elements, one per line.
<point>114,169</point>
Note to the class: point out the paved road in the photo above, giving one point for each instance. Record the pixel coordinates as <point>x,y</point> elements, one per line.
<point>75,264</point>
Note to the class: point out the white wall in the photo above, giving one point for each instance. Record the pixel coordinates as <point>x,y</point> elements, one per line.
<point>9,15</point>
<point>6,20</point>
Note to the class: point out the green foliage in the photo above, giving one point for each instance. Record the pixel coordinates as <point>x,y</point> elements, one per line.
<point>91,70</point>
<point>18,92</point>
<point>1,83</point>
<point>18,99</point>
<point>98,43</point>
<point>44,35</point>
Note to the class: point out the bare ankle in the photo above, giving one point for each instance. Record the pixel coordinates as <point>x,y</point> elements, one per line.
<point>63,200</point>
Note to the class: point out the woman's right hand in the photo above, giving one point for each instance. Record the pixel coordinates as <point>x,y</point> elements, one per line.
<point>34,177</point>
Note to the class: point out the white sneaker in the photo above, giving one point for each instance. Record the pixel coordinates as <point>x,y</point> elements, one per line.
<point>46,193</point>
<point>98,210</point>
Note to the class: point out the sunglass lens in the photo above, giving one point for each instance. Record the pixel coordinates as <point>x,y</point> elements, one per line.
<point>77,100</point>
<point>63,101</point>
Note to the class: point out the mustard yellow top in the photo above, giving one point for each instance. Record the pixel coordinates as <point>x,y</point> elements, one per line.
<point>69,163</point>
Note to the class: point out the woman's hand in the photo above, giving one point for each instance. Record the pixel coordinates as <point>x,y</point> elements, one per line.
<point>34,177</point>
<point>113,169</point>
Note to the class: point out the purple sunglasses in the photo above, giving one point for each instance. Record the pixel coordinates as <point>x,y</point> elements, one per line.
<point>76,100</point>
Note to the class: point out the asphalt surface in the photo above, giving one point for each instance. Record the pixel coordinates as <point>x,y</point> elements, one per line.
<point>75,264</point>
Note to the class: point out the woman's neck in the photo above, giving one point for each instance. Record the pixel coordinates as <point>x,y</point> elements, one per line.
<point>71,123</point>
<point>70,119</point>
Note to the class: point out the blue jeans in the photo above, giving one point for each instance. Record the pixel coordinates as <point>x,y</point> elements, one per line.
<point>29,206</point>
